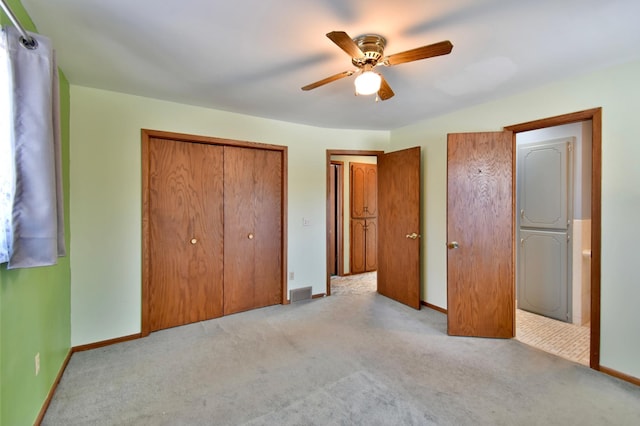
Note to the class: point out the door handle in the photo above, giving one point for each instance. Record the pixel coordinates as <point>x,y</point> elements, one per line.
<point>453,245</point>
<point>413,236</point>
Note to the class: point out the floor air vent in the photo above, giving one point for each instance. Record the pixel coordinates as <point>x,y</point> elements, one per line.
<point>298,294</point>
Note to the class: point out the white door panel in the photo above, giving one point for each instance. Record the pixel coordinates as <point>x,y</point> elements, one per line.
<point>542,273</point>
<point>544,227</point>
<point>543,185</point>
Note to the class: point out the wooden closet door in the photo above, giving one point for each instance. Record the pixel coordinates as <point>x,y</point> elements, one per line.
<point>371,241</point>
<point>371,190</point>
<point>363,242</point>
<point>186,232</point>
<point>358,240</point>
<point>364,195</point>
<point>252,228</point>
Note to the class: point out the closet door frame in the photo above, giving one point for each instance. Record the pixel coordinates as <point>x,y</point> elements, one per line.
<point>147,135</point>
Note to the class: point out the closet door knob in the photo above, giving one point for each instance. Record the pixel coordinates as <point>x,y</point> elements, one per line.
<point>250,236</point>
<point>193,241</point>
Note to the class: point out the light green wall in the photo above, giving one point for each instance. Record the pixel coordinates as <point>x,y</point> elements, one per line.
<point>106,197</point>
<point>34,308</point>
<point>617,91</point>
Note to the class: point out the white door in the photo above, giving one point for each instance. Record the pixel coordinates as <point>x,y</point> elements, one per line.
<point>544,231</point>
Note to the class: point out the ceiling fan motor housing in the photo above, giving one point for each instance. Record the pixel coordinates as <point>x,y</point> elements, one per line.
<point>372,45</point>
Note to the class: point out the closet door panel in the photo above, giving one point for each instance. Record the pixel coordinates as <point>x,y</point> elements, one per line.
<point>186,207</point>
<point>358,190</point>
<point>268,261</point>
<point>358,246</point>
<point>252,228</point>
<point>371,190</point>
<point>371,250</point>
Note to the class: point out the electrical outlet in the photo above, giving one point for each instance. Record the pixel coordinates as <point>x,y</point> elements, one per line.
<point>291,276</point>
<point>37,363</point>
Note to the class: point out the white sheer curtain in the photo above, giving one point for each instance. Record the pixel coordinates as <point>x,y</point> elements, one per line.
<point>37,219</point>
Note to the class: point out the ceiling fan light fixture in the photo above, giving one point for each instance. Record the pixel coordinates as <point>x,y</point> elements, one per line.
<point>368,83</point>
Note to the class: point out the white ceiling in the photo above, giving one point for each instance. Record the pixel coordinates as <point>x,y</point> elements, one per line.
<point>252,56</point>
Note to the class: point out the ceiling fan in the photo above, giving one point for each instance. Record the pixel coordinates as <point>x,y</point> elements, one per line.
<point>367,52</point>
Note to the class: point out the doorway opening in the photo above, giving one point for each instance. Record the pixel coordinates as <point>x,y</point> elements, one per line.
<point>553,199</point>
<point>583,299</point>
<point>394,218</point>
<point>346,235</point>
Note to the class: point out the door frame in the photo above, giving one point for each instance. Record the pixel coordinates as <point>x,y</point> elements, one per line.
<point>595,115</point>
<point>146,136</point>
<point>336,195</point>
<point>329,153</point>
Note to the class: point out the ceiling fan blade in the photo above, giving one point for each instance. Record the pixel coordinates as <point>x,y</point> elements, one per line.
<point>424,52</point>
<point>328,80</point>
<point>385,91</point>
<point>345,43</point>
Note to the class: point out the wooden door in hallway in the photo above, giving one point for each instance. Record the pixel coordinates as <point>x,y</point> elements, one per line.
<point>186,247</point>
<point>399,226</point>
<point>480,266</point>
<point>252,228</point>
<point>364,190</point>
<point>364,209</point>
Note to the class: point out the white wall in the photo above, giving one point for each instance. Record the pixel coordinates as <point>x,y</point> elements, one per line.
<point>617,91</point>
<point>105,198</point>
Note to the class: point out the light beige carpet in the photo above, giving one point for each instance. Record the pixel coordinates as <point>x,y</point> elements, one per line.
<point>559,338</point>
<point>352,360</point>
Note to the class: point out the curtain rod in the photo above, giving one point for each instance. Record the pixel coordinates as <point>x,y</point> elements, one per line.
<point>26,40</point>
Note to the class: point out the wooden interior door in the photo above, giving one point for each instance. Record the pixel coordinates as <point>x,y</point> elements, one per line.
<point>480,265</point>
<point>186,232</point>
<point>252,228</point>
<point>399,226</point>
